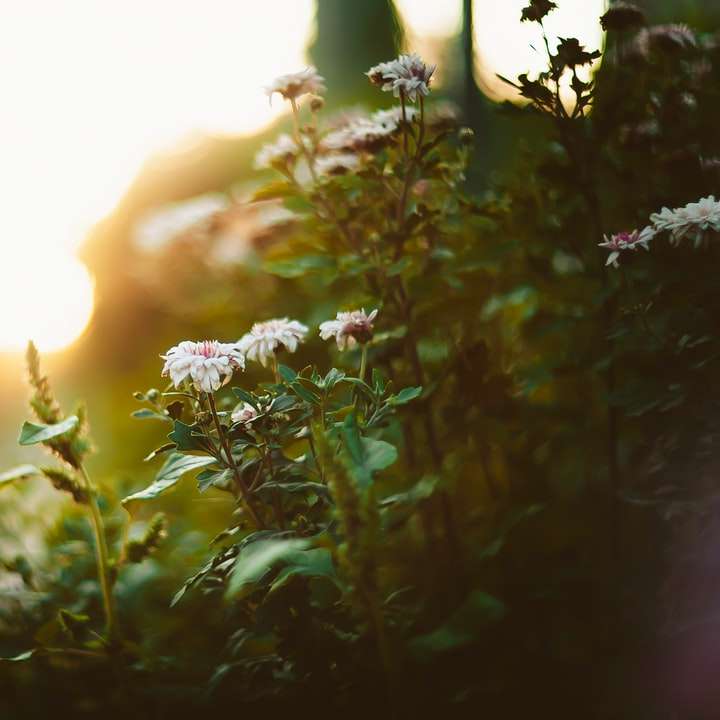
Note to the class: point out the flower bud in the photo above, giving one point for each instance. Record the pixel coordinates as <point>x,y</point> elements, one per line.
<point>317,103</point>
<point>466,136</point>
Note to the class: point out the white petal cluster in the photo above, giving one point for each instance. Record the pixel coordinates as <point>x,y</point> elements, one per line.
<point>337,164</point>
<point>209,364</point>
<point>367,133</point>
<point>349,328</point>
<point>282,151</point>
<point>623,241</point>
<point>293,85</point>
<point>266,338</point>
<point>691,221</point>
<point>408,74</point>
<point>244,413</point>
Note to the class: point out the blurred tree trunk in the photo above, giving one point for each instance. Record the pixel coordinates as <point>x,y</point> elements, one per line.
<point>351,37</point>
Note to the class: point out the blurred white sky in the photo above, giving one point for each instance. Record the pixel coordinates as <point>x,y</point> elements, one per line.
<point>91,88</point>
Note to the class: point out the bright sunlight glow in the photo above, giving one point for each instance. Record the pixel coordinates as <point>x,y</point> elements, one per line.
<point>90,90</point>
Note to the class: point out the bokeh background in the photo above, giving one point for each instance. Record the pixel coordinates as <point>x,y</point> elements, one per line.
<point>116,114</point>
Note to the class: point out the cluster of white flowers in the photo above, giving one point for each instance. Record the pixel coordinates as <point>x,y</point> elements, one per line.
<point>266,338</point>
<point>281,152</point>
<point>209,364</point>
<point>293,85</point>
<point>407,76</point>
<point>626,241</point>
<point>349,328</point>
<point>691,221</point>
<point>337,164</point>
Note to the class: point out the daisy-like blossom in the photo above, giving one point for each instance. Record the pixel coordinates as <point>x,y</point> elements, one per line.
<point>690,221</point>
<point>293,85</point>
<point>280,152</point>
<point>626,241</point>
<point>338,164</point>
<point>209,364</point>
<point>367,133</point>
<point>244,413</point>
<point>408,74</point>
<point>349,328</point>
<point>266,338</point>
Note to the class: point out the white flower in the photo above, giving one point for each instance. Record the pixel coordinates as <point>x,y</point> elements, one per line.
<point>349,328</point>
<point>266,338</point>
<point>293,85</point>
<point>281,152</point>
<point>209,364</point>
<point>626,241</point>
<point>408,74</point>
<point>244,413</point>
<point>164,224</point>
<point>690,221</point>
<point>337,164</point>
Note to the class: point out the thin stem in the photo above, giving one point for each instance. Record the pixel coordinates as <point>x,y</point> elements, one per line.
<point>313,450</point>
<point>102,555</point>
<point>231,463</point>
<point>363,362</point>
<point>276,372</point>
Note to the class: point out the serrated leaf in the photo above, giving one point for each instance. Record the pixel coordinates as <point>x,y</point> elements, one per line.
<point>33,433</point>
<point>213,478</point>
<point>174,468</point>
<point>22,472</point>
<point>185,437</point>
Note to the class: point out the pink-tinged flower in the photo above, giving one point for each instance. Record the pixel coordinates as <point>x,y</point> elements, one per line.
<point>407,75</point>
<point>692,220</point>
<point>267,338</point>
<point>349,328</point>
<point>623,241</point>
<point>244,413</point>
<point>293,85</point>
<point>208,364</point>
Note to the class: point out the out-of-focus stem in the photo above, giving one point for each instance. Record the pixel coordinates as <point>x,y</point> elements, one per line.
<point>102,555</point>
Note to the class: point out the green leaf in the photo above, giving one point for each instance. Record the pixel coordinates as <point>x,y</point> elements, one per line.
<point>22,472</point>
<point>316,562</point>
<point>378,454</point>
<point>405,396</point>
<point>214,478</point>
<point>185,437</point>
<point>462,628</point>
<point>148,414</point>
<point>287,373</point>
<point>246,397</point>
<point>22,657</point>
<point>422,490</point>
<point>257,559</point>
<point>174,468</point>
<point>33,433</point>
<point>303,393</point>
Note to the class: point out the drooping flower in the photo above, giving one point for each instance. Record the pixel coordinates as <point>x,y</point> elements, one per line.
<point>244,413</point>
<point>408,74</point>
<point>337,164</point>
<point>349,328</point>
<point>626,241</point>
<point>266,338</point>
<point>692,220</point>
<point>209,364</point>
<point>282,152</point>
<point>293,85</point>
<point>367,133</point>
